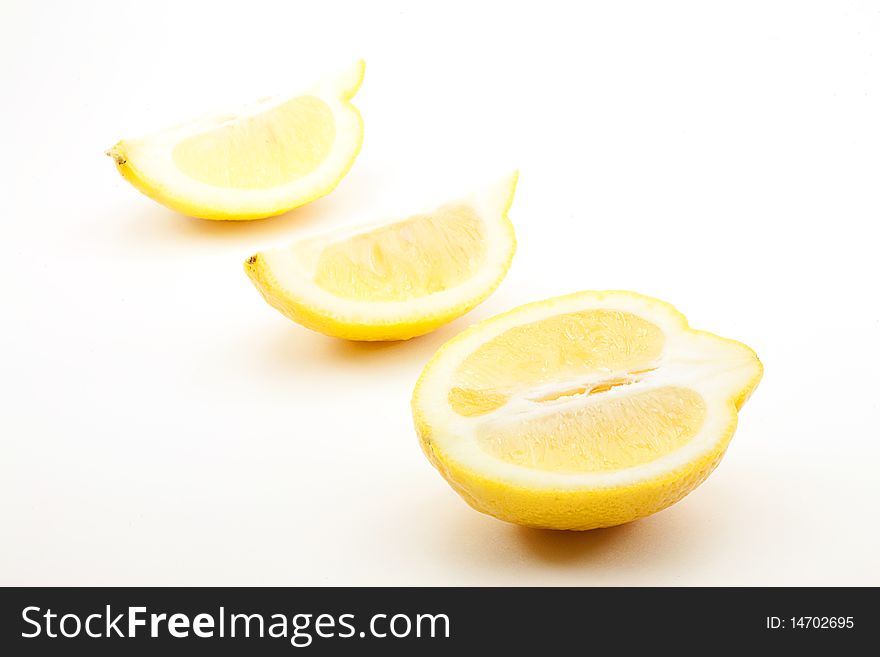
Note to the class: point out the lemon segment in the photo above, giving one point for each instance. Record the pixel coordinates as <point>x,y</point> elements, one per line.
<point>257,161</point>
<point>397,279</point>
<point>583,411</point>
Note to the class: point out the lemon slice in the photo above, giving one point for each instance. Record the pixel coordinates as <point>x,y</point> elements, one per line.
<point>583,411</point>
<point>395,280</point>
<point>256,162</point>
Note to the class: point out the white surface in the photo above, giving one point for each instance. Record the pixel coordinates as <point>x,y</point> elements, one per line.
<point>162,425</point>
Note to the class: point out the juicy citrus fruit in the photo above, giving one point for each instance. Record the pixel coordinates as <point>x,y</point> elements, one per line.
<point>582,411</point>
<point>259,161</point>
<point>396,280</point>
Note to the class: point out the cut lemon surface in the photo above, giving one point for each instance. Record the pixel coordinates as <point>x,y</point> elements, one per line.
<point>395,280</point>
<point>583,411</point>
<point>257,161</point>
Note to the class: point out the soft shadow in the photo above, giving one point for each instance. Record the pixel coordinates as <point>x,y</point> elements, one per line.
<point>562,547</point>
<point>658,550</point>
<point>152,221</point>
<point>303,217</point>
<point>423,344</point>
<point>299,347</point>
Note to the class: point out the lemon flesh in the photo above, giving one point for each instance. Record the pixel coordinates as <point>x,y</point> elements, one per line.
<point>584,411</point>
<point>554,349</point>
<point>255,162</point>
<point>395,280</point>
<point>261,152</point>
<point>608,435</point>
<point>413,258</point>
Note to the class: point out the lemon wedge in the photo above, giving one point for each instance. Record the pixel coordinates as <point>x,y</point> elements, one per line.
<point>258,161</point>
<point>582,411</point>
<point>395,280</point>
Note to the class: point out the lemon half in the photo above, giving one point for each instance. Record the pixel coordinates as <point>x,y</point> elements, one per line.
<point>254,162</point>
<point>582,411</point>
<point>395,280</point>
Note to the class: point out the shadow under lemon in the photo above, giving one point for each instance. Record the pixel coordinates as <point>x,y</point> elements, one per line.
<point>153,221</point>
<point>560,547</point>
<point>660,549</point>
<point>297,346</point>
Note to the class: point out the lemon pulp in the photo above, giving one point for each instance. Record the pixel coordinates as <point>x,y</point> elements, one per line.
<point>603,435</point>
<point>572,355</point>
<point>553,351</point>
<point>263,151</point>
<point>412,258</point>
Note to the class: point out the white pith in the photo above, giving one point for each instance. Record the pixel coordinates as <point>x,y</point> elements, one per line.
<point>715,368</point>
<point>152,155</point>
<point>293,268</point>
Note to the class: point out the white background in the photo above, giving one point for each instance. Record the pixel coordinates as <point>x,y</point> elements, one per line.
<point>162,425</point>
